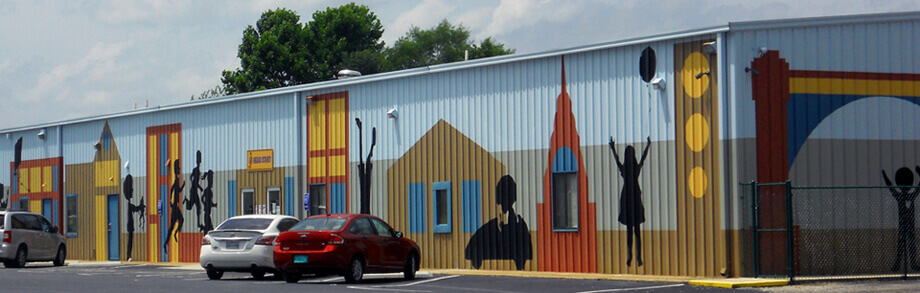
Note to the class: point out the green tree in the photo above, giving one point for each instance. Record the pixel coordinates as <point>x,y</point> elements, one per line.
<point>443,43</point>
<point>216,92</point>
<point>349,32</point>
<point>272,54</point>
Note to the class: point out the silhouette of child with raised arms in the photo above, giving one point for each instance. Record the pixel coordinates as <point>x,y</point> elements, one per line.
<point>632,212</point>
<point>907,238</point>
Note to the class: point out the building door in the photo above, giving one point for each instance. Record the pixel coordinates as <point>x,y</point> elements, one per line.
<point>317,199</point>
<point>48,210</point>
<point>112,226</point>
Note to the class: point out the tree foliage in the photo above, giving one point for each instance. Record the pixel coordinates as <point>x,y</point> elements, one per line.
<point>443,43</point>
<point>339,33</point>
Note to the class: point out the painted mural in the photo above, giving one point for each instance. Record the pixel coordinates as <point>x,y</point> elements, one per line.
<point>207,201</point>
<point>194,200</point>
<point>164,187</point>
<point>133,211</point>
<point>632,211</point>
<point>328,131</point>
<point>907,233</point>
<point>365,167</point>
<point>505,237</point>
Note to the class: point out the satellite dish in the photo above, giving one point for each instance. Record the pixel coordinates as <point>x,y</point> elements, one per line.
<point>348,73</point>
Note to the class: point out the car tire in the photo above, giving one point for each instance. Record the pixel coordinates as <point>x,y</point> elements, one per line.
<point>61,256</point>
<point>355,271</point>
<point>214,274</point>
<point>21,254</point>
<point>290,277</point>
<point>411,267</point>
<point>8,264</point>
<point>257,274</point>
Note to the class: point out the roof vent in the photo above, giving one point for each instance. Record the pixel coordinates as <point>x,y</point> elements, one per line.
<point>348,73</point>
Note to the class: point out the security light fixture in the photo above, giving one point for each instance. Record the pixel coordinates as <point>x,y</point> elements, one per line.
<point>658,83</point>
<point>393,114</point>
<point>41,134</point>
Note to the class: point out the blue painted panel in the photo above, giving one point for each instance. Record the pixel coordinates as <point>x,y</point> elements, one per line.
<point>47,210</point>
<point>337,198</point>
<point>435,187</point>
<point>106,140</point>
<point>565,162</point>
<point>289,196</point>
<point>164,154</point>
<point>472,206</point>
<point>54,178</point>
<point>231,198</point>
<point>54,214</point>
<point>114,227</point>
<point>417,208</point>
<point>15,185</point>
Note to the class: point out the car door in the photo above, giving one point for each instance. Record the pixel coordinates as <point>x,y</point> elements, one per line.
<point>37,249</point>
<point>394,256</point>
<point>49,243</point>
<point>23,234</point>
<point>367,238</point>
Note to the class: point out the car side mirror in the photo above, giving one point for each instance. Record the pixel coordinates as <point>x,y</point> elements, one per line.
<point>399,235</point>
<point>54,229</point>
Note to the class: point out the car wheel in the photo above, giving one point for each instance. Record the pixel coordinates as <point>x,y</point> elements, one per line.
<point>411,267</point>
<point>214,274</point>
<point>290,277</point>
<point>20,260</point>
<point>61,256</point>
<point>355,270</point>
<point>257,274</point>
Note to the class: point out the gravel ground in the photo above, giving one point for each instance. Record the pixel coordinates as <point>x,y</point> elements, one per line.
<point>912,285</point>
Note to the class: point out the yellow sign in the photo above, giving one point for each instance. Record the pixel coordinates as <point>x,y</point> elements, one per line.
<point>260,160</point>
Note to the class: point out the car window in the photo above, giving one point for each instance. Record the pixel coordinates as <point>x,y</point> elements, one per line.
<point>245,224</point>
<point>2,221</point>
<point>46,226</point>
<point>34,223</point>
<point>320,224</point>
<point>361,226</point>
<point>286,224</point>
<point>382,228</point>
<point>18,222</point>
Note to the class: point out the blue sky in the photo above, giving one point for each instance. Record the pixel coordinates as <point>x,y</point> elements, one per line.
<point>70,59</point>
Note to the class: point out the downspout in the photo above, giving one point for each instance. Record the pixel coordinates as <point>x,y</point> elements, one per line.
<point>298,112</point>
<point>731,239</point>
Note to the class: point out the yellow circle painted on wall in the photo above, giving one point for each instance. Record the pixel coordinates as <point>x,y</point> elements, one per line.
<point>697,182</point>
<point>697,132</point>
<point>695,64</point>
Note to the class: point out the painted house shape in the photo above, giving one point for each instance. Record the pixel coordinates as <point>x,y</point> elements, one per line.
<point>566,219</point>
<point>97,188</point>
<point>448,170</point>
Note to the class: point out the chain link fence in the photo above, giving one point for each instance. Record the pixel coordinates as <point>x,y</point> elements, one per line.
<point>834,232</point>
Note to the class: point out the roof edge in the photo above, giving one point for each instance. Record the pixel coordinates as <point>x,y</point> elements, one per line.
<point>823,20</point>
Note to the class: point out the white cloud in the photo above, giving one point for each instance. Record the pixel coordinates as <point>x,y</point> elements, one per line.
<point>424,15</point>
<point>511,15</point>
<point>98,64</point>
<point>124,11</point>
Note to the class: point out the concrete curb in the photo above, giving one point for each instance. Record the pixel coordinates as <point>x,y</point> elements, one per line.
<point>739,283</point>
<point>572,276</point>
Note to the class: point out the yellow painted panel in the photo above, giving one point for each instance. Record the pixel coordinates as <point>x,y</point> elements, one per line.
<point>35,179</point>
<point>152,174</point>
<point>100,228</point>
<point>23,180</point>
<point>318,167</point>
<point>106,173</point>
<point>46,179</point>
<point>337,166</point>
<point>173,154</point>
<point>35,206</point>
<point>152,240</point>
<point>868,87</point>
<point>337,123</point>
<point>317,126</point>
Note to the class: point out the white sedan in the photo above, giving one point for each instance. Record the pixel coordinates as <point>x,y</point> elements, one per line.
<point>243,244</point>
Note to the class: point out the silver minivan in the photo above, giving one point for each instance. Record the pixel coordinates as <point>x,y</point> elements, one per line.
<point>29,237</point>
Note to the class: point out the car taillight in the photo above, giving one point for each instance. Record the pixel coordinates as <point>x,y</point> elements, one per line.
<point>205,241</point>
<point>336,239</point>
<point>265,240</point>
<point>8,236</point>
<point>277,241</point>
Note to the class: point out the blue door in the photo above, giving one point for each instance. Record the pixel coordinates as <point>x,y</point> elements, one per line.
<point>47,210</point>
<point>113,227</point>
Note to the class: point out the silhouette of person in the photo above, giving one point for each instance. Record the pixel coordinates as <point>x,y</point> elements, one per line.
<point>505,237</point>
<point>132,209</point>
<point>193,199</point>
<point>907,238</point>
<point>632,212</point>
<point>364,168</point>
<point>207,199</point>
<point>175,209</point>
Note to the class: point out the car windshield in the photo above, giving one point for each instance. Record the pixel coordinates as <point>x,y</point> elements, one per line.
<point>245,224</point>
<point>321,223</point>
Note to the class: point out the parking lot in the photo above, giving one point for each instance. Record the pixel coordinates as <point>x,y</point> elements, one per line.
<point>119,277</point>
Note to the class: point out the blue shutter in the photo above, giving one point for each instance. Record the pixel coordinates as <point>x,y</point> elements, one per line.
<point>417,216</point>
<point>231,198</point>
<point>337,198</point>
<point>472,206</point>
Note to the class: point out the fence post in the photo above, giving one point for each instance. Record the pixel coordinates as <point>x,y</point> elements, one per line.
<point>755,265</point>
<point>790,234</point>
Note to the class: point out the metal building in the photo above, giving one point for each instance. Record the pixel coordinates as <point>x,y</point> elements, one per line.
<point>617,158</point>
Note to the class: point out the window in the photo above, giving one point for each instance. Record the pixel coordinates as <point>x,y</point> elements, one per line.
<point>274,200</point>
<point>24,203</point>
<point>382,228</point>
<point>565,201</point>
<point>286,224</point>
<point>361,226</point>
<point>246,201</point>
<point>317,199</point>
<point>245,224</point>
<point>442,207</point>
<point>70,208</point>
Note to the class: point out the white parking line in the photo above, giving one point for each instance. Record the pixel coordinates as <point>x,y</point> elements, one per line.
<point>384,287</point>
<point>632,289</point>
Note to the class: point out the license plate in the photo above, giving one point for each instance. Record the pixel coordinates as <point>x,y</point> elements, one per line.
<point>300,259</point>
<point>233,245</point>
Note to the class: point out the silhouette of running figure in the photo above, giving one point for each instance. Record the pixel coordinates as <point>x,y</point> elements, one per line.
<point>132,209</point>
<point>193,199</point>
<point>175,209</point>
<point>207,199</point>
<point>632,212</point>
<point>907,237</point>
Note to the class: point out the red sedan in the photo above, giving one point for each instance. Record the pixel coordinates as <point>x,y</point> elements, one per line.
<point>344,244</point>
